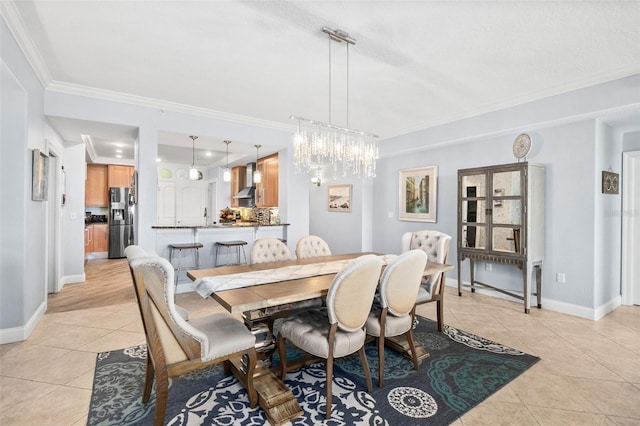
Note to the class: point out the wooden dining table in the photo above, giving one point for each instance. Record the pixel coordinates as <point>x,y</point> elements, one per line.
<point>258,304</point>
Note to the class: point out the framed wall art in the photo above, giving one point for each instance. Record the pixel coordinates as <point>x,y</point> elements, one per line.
<point>418,194</point>
<point>339,198</point>
<point>39,184</point>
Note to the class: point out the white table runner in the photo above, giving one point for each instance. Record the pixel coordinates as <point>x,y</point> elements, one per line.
<point>207,285</point>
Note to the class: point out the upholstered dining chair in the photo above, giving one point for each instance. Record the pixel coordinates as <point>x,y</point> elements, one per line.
<point>393,316</point>
<point>269,250</point>
<point>134,252</point>
<point>436,245</point>
<point>312,246</point>
<point>175,346</point>
<point>337,330</point>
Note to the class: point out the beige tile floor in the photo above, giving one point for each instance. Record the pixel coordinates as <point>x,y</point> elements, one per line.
<point>589,373</point>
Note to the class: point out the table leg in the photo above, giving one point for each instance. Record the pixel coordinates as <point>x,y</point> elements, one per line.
<point>277,401</point>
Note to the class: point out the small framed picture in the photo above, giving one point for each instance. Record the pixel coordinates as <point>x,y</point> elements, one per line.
<point>39,184</point>
<point>418,197</point>
<point>340,198</point>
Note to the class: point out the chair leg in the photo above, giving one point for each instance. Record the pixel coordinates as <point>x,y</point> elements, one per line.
<point>329,386</point>
<point>365,367</point>
<point>380,361</point>
<point>281,343</point>
<point>440,308</point>
<point>148,380</point>
<point>162,391</point>
<point>412,347</point>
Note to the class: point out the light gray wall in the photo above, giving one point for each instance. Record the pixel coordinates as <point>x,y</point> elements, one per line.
<point>568,154</point>
<point>608,218</point>
<point>24,222</point>
<point>631,141</point>
<point>343,231</point>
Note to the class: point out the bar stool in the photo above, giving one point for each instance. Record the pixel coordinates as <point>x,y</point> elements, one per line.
<point>238,244</point>
<point>181,248</point>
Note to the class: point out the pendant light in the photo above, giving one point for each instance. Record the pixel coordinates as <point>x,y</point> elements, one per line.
<point>194,173</point>
<point>227,172</point>
<point>257,176</point>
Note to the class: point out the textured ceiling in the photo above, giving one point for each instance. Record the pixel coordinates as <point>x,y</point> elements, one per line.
<point>415,64</point>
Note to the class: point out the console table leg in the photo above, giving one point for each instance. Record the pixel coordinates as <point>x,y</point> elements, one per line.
<point>539,285</point>
<point>472,270</point>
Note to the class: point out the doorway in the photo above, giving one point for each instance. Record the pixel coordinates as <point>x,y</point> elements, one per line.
<point>630,227</point>
<point>54,220</point>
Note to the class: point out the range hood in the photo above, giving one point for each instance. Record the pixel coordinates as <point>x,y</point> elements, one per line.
<point>250,190</point>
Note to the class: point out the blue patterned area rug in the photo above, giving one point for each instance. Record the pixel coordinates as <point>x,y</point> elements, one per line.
<point>461,372</point>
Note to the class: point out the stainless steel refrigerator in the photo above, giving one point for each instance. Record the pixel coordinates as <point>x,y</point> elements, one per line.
<point>120,221</point>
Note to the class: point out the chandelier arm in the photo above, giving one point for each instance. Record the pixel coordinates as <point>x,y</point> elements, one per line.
<point>333,126</point>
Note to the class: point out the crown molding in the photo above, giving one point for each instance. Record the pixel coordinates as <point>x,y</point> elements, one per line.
<point>14,21</point>
<point>592,80</point>
<point>108,95</point>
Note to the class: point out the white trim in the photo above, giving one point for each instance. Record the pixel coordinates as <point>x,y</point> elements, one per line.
<point>521,100</point>
<point>16,25</point>
<point>73,279</point>
<point>630,224</point>
<point>549,304</point>
<point>528,127</point>
<point>18,334</point>
<point>108,95</point>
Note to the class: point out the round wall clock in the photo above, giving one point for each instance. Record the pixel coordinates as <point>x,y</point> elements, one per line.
<point>522,146</point>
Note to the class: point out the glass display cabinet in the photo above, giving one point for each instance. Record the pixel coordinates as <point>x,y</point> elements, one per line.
<point>501,220</point>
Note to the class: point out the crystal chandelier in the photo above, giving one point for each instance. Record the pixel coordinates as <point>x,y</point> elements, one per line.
<point>317,144</point>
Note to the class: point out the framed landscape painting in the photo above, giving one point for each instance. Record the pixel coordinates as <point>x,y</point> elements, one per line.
<point>418,194</point>
<point>339,198</point>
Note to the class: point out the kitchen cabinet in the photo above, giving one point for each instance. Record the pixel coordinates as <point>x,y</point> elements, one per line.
<point>100,237</point>
<point>96,238</point>
<point>267,190</point>
<point>120,176</point>
<point>96,194</point>
<point>238,182</point>
<point>501,220</point>
<point>166,203</point>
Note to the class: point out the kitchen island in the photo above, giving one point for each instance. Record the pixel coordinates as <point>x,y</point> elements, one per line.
<point>208,235</point>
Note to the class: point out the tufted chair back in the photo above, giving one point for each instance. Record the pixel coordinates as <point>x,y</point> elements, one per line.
<point>434,243</point>
<point>269,250</point>
<point>312,246</point>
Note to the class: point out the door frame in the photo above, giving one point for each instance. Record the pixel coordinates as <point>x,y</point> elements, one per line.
<point>53,282</point>
<point>630,290</point>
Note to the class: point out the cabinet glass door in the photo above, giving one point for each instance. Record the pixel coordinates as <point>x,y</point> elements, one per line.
<point>474,205</point>
<point>506,212</point>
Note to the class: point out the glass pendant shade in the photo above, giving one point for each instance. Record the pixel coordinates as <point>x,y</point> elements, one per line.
<point>257,176</point>
<point>194,174</point>
<point>226,176</point>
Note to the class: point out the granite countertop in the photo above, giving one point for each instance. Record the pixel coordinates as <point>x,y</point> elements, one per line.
<point>217,226</point>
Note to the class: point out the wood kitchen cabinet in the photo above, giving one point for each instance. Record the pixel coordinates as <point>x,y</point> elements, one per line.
<point>96,193</point>
<point>100,237</point>
<point>238,182</point>
<point>267,190</point>
<point>96,238</point>
<point>120,176</point>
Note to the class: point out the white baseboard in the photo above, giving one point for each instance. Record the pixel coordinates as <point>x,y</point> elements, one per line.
<point>552,305</point>
<point>18,334</point>
<point>73,279</point>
